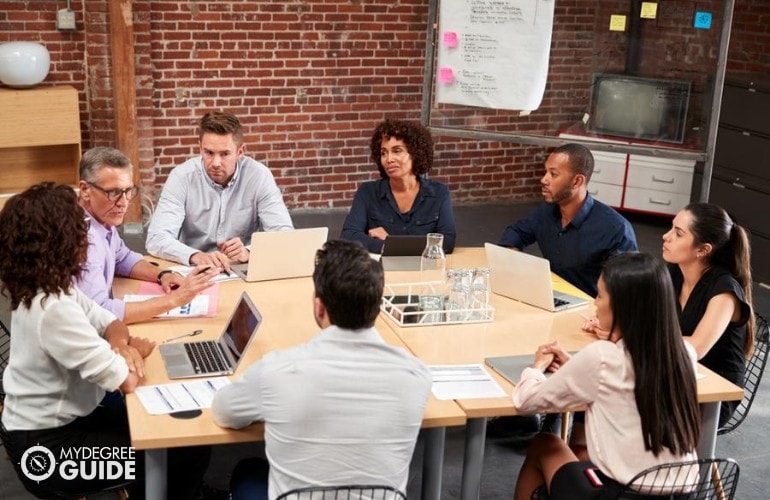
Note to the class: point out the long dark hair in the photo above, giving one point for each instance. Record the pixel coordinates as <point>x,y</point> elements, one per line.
<point>43,242</point>
<point>730,249</point>
<point>643,306</point>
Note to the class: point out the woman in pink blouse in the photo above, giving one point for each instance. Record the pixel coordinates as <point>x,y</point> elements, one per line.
<point>638,387</point>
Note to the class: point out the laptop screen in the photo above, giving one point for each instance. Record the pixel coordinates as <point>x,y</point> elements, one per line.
<point>241,327</point>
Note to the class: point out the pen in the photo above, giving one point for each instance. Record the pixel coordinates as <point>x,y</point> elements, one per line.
<point>191,334</point>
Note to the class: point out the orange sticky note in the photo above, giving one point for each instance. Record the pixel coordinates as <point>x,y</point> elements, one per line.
<point>446,75</point>
<point>450,39</point>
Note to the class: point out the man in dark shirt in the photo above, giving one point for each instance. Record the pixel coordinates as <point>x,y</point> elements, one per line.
<point>575,232</point>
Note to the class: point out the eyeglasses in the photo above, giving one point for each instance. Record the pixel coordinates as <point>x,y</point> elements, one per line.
<point>115,194</point>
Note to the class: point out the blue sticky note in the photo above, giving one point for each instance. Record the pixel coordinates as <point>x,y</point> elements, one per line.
<point>702,20</point>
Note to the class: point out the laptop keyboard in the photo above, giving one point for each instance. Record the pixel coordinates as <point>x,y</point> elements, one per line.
<point>206,357</point>
<point>559,302</point>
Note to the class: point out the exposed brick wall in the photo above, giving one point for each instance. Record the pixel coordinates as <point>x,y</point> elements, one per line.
<point>311,78</point>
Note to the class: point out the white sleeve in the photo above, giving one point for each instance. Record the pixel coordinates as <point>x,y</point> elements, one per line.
<point>239,404</point>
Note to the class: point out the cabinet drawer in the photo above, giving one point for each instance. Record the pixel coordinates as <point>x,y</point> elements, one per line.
<point>609,168</point>
<point>660,179</point>
<point>651,200</point>
<point>742,152</point>
<point>745,109</point>
<point>742,203</point>
<point>760,264</point>
<point>611,194</point>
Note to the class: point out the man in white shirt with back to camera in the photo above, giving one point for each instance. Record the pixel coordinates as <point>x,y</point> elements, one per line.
<point>211,204</point>
<point>346,407</point>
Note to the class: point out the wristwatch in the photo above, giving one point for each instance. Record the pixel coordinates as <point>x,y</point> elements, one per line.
<point>162,273</point>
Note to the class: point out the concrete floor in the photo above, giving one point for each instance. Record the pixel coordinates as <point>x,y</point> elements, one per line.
<point>504,453</point>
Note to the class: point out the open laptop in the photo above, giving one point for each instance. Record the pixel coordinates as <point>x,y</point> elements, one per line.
<point>526,278</point>
<point>403,252</point>
<point>206,358</point>
<point>276,255</point>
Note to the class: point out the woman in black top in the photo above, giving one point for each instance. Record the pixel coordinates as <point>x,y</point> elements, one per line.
<point>709,256</point>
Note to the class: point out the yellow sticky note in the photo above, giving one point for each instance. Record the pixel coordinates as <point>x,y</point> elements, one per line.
<point>649,10</point>
<point>617,23</point>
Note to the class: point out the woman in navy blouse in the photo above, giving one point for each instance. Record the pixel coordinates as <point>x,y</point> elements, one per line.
<point>404,201</point>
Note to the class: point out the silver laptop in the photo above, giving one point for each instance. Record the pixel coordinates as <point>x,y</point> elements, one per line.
<point>206,358</point>
<point>276,255</point>
<point>510,367</point>
<point>526,278</point>
<point>403,252</point>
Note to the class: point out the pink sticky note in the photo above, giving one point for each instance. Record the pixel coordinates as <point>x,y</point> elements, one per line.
<point>446,75</point>
<point>450,39</point>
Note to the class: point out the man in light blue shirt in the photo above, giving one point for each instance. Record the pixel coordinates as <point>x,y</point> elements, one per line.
<point>211,204</point>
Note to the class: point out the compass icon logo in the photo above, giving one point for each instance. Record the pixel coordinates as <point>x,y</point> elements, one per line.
<point>38,463</point>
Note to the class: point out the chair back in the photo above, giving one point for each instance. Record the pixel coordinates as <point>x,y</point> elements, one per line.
<point>5,347</point>
<point>755,367</point>
<point>712,479</point>
<point>349,492</point>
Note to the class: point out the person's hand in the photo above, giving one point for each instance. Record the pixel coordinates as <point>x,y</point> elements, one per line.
<point>194,283</point>
<point>560,356</point>
<point>171,281</point>
<point>143,345</point>
<point>591,325</point>
<point>214,259</point>
<point>543,358</point>
<point>235,250</point>
<point>133,358</point>
<point>378,232</point>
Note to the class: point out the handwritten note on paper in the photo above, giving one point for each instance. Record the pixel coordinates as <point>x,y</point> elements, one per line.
<point>450,39</point>
<point>502,61</point>
<point>617,22</point>
<point>464,382</point>
<point>649,10</point>
<point>179,396</point>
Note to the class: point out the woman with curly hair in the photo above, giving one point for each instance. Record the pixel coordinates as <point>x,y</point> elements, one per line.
<point>404,201</point>
<point>66,351</point>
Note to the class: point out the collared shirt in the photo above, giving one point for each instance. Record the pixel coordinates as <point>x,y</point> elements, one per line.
<point>195,213</point>
<point>375,206</point>
<point>578,251</point>
<point>601,376</point>
<point>60,365</point>
<point>108,256</point>
<point>342,409</point>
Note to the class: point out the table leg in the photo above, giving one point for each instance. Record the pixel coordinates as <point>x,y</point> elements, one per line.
<point>709,414</point>
<point>475,434</point>
<point>155,474</point>
<point>433,462</point>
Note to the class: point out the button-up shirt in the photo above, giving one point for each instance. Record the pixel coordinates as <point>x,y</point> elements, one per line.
<point>195,213</point>
<point>375,206</point>
<point>578,250</point>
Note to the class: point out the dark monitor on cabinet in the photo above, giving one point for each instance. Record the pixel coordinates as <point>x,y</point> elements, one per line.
<point>639,108</point>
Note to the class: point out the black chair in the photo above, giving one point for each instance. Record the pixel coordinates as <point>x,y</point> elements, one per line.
<point>755,367</point>
<point>704,479</point>
<point>356,492</point>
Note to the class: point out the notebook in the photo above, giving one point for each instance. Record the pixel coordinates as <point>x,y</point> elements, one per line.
<point>526,278</point>
<point>206,358</point>
<point>403,252</point>
<point>276,255</point>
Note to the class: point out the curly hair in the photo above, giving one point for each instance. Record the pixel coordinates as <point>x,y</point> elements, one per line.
<point>419,144</point>
<point>43,242</point>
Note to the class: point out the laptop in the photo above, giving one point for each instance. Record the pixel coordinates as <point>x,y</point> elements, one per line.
<point>403,252</point>
<point>276,255</point>
<point>510,367</point>
<point>206,358</point>
<point>526,278</point>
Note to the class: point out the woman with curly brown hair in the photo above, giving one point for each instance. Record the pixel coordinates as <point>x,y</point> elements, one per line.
<point>404,201</point>
<point>66,351</point>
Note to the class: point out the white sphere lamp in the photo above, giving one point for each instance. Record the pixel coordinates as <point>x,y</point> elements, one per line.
<point>23,64</point>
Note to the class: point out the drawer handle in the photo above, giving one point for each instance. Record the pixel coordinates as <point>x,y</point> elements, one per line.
<point>666,181</point>
<point>658,202</point>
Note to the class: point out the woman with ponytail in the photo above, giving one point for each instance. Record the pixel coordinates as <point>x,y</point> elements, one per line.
<point>709,262</point>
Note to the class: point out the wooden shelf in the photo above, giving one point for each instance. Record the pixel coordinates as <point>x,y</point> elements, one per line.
<point>41,140</point>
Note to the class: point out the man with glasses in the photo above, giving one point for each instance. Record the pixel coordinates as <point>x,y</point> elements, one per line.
<point>106,189</point>
<point>212,203</point>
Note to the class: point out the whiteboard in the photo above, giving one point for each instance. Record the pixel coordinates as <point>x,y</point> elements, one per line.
<point>494,53</point>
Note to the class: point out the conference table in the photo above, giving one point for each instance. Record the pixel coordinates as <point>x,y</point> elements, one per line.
<point>286,308</point>
<point>519,329</point>
<point>288,320</point>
